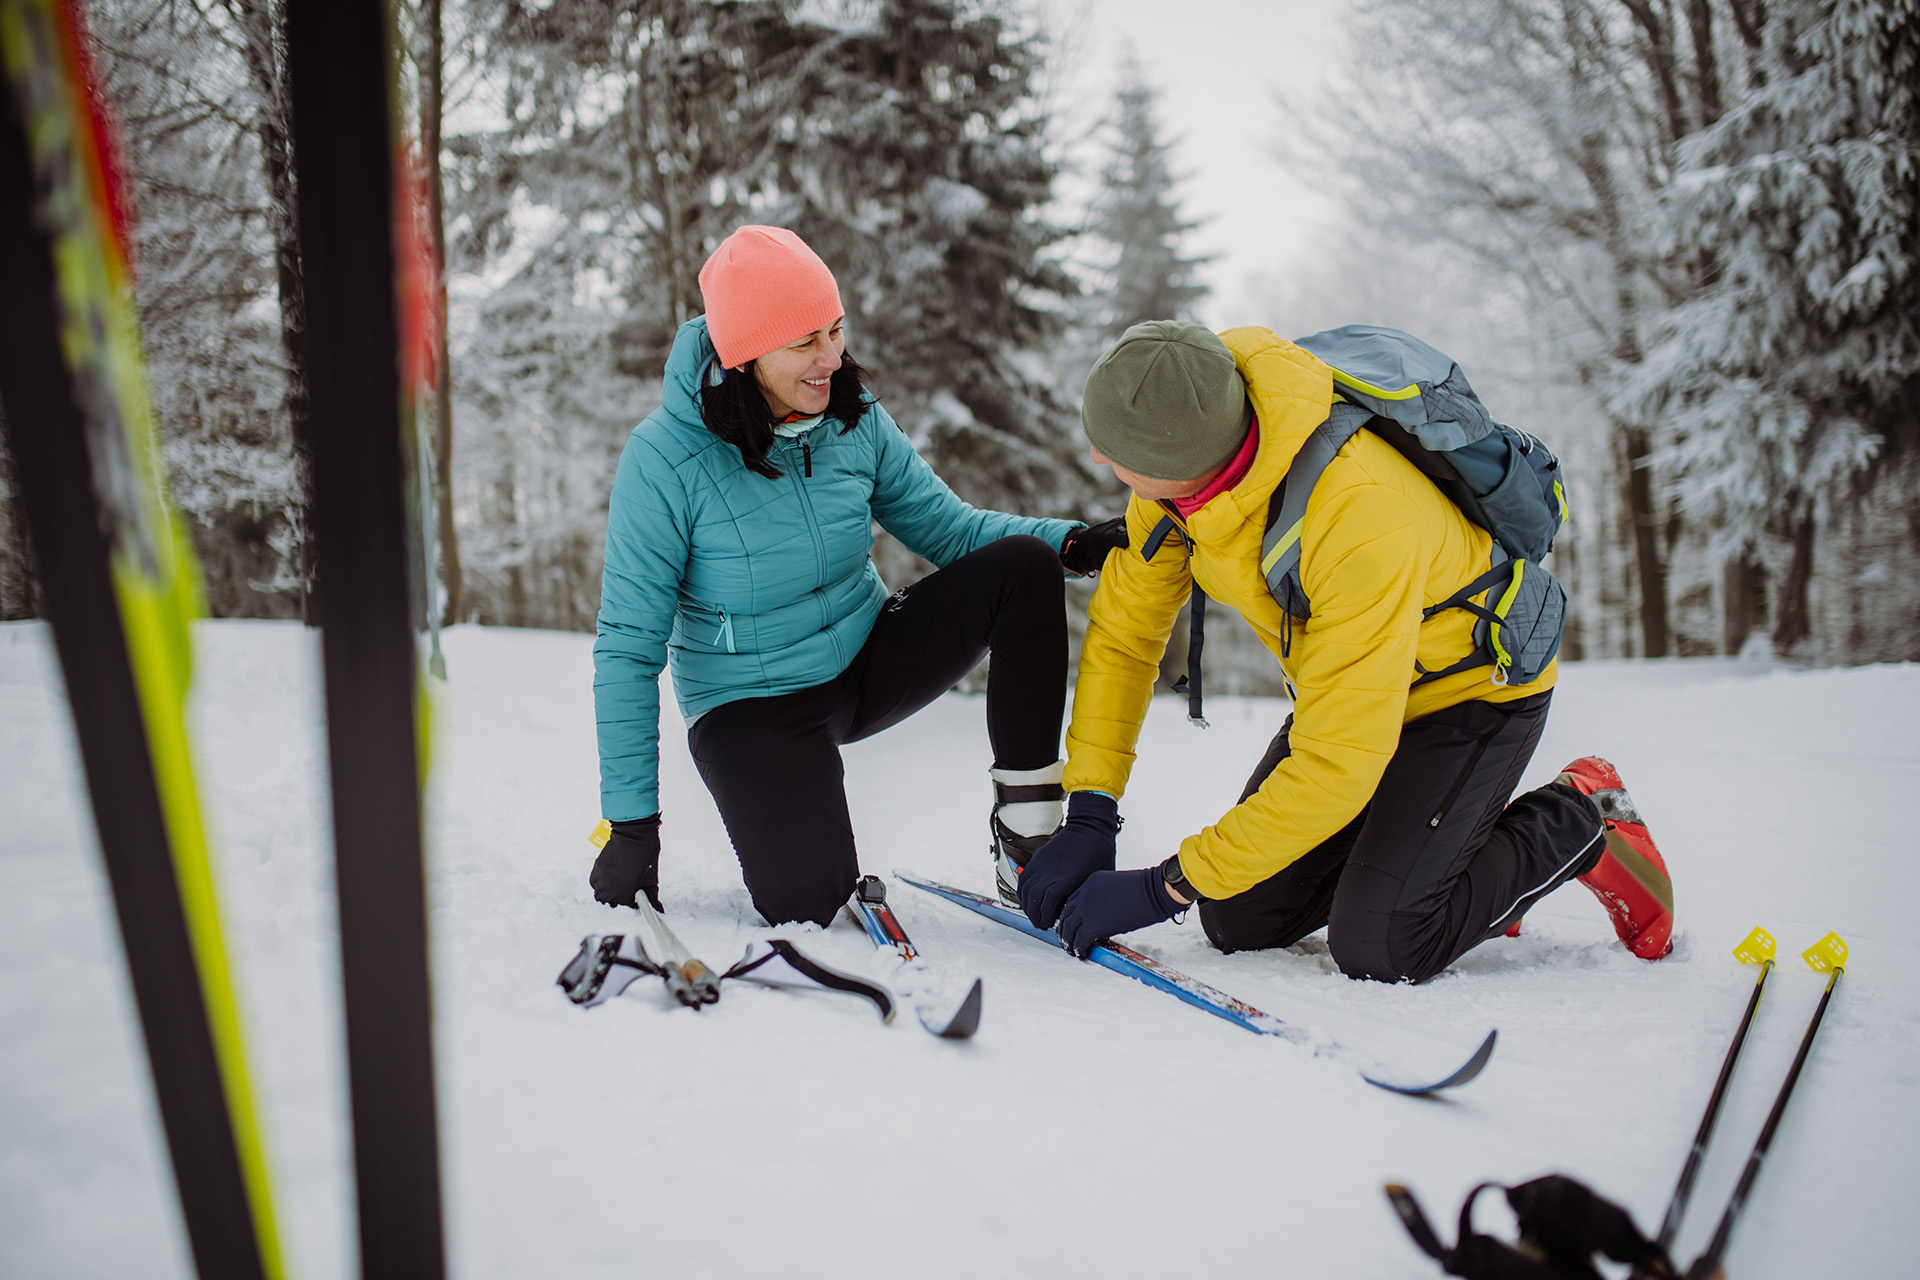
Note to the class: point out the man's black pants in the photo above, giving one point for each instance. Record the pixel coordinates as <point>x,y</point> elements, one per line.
<point>773,764</point>
<point>1438,861</point>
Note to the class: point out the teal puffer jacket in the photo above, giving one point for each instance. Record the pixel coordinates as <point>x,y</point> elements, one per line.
<point>751,587</point>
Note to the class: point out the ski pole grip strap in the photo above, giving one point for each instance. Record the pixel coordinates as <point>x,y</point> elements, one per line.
<point>1196,641</point>
<point>1414,1219</point>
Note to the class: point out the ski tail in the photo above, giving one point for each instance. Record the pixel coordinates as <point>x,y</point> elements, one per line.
<point>119,584</point>
<point>868,906</point>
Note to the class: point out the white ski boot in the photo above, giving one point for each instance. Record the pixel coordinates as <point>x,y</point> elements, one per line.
<point>1028,806</point>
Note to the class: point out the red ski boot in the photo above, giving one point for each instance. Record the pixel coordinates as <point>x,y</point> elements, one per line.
<point>1631,879</point>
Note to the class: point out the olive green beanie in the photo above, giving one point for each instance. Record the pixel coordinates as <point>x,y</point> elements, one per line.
<point>1166,402</point>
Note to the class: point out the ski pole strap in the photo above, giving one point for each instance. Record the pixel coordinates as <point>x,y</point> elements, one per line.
<point>778,963</point>
<point>1189,683</point>
<point>605,965</point>
<point>1562,1225</point>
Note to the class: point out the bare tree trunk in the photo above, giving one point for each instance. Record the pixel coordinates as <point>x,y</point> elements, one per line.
<point>263,28</point>
<point>1657,28</point>
<point>1646,543</point>
<point>1636,441</point>
<point>1792,622</point>
<point>1743,601</point>
<point>654,155</point>
<point>1706,65</point>
<point>432,103</point>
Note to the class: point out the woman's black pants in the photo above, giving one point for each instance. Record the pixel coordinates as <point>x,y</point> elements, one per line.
<point>1437,863</point>
<point>773,764</point>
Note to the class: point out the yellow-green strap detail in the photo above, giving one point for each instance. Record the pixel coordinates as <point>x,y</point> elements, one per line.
<point>1287,539</point>
<point>1347,379</point>
<point>1503,659</point>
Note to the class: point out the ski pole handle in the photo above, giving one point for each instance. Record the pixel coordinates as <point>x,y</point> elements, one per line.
<point>679,987</point>
<point>701,982</point>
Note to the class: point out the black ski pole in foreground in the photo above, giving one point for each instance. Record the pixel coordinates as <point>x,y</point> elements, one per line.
<point>340,73</point>
<point>1757,948</point>
<point>1830,954</point>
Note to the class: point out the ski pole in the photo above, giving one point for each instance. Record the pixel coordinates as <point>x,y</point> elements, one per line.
<point>691,982</point>
<point>1827,955</point>
<point>1758,949</point>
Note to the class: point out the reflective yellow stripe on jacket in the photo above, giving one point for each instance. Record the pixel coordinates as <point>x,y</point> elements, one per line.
<point>1380,544</point>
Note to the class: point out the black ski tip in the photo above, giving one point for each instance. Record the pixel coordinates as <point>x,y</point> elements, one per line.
<point>966,1019</point>
<point>1468,1070</point>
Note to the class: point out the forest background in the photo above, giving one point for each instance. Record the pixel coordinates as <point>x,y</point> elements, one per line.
<point>1679,240</point>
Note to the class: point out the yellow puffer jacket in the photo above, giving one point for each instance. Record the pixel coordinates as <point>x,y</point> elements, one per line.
<point>1379,545</point>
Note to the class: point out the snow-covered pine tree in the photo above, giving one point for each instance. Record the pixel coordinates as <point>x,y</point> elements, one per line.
<point>622,141</point>
<point>1137,215</point>
<point>1791,386</point>
<point>917,164</point>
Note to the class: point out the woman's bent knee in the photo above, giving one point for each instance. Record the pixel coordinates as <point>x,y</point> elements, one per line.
<point>1029,556</point>
<point>797,904</point>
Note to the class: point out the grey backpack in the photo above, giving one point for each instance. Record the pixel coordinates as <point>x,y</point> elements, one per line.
<point>1417,399</point>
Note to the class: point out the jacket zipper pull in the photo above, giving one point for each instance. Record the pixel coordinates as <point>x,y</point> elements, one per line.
<point>806,454</point>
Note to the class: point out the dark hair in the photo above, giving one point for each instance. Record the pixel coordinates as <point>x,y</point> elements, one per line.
<point>735,410</point>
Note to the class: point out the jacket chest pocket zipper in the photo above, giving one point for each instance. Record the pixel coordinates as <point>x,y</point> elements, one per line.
<point>1460,783</point>
<point>725,634</point>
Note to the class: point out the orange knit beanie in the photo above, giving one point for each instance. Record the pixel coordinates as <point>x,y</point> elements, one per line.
<point>764,288</point>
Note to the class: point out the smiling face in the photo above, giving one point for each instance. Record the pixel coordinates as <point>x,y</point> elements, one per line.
<point>796,378</point>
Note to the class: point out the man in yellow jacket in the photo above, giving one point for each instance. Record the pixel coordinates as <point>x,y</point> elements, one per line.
<point>1380,811</point>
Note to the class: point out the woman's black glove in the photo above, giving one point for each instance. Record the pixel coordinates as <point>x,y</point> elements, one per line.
<point>629,865</point>
<point>1085,550</point>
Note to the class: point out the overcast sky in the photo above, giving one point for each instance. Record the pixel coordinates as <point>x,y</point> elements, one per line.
<point>1216,64</point>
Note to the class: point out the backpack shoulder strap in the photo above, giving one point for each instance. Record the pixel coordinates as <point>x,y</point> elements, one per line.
<point>1287,512</point>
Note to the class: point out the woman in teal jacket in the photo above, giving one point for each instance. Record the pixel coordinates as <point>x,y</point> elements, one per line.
<point>739,540</point>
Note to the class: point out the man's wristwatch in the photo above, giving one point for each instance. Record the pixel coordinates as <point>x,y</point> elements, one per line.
<point>1176,880</point>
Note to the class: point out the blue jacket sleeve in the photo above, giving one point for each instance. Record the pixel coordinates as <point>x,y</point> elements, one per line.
<point>648,521</point>
<point>915,505</point>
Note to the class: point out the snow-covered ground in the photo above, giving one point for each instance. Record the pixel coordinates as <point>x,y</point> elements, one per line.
<point>1094,1126</point>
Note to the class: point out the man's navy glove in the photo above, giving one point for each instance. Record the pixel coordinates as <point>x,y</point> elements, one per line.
<point>1113,902</point>
<point>1082,846</point>
<point>629,865</point>
<point>1085,550</point>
